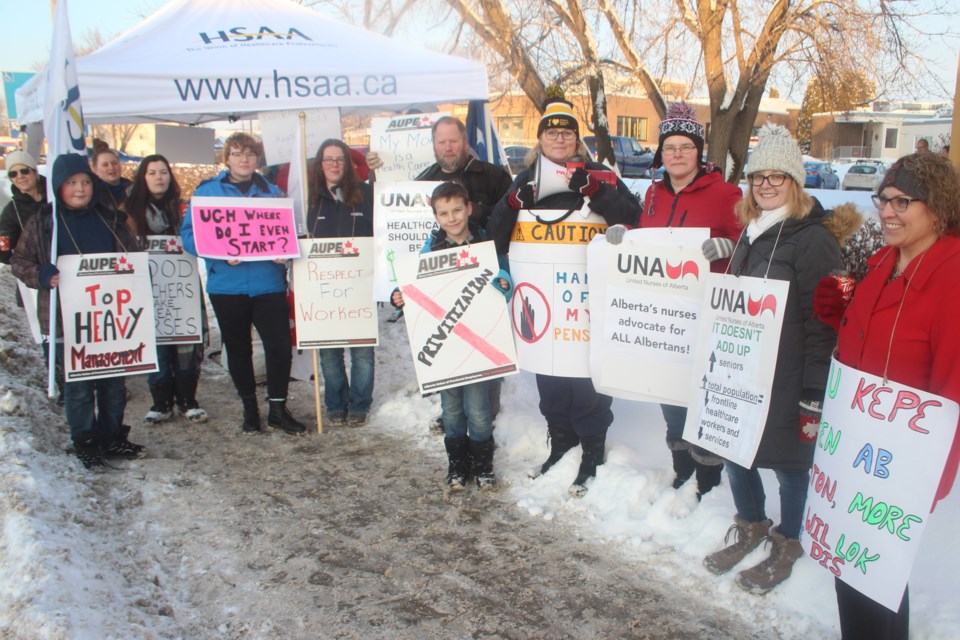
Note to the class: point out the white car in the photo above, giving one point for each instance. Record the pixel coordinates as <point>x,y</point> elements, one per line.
<point>863,176</point>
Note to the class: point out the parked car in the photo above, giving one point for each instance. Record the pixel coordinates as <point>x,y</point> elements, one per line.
<point>820,175</point>
<point>515,158</point>
<point>865,175</point>
<point>633,160</point>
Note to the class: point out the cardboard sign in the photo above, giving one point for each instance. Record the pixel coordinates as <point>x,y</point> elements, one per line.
<point>733,365</point>
<point>881,450</point>
<point>456,318</point>
<point>333,293</point>
<point>244,228</point>
<point>404,143</point>
<point>177,297</point>
<point>647,292</point>
<point>108,326</point>
<point>29,297</point>
<point>279,131</point>
<point>402,222</point>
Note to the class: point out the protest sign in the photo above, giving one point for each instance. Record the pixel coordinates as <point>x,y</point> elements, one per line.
<point>279,131</point>
<point>108,327</point>
<point>333,293</point>
<point>733,364</point>
<point>177,297</point>
<point>645,315</point>
<point>551,306</point>
<point>404,144</point>
<point>402,222</point>
<point>456,318</point>
<point>244,228</point>
<point>29,297</point>
<point>880,452</point>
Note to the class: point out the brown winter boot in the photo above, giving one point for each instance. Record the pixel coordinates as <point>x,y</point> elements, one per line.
<point>747,537</point>
<point>775,569</point>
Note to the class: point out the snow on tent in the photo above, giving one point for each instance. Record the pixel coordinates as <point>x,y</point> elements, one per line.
<point>201,60</point>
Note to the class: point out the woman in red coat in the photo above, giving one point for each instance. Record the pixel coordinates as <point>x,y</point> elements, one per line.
<point>902,324</point>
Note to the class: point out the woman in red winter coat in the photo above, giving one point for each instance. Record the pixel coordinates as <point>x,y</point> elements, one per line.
<point>902,324</point>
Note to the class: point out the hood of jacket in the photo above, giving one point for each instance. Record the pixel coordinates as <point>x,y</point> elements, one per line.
<point>70,164</point>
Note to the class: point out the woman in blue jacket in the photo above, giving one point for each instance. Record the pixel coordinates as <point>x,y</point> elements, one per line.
<point>245,294</point>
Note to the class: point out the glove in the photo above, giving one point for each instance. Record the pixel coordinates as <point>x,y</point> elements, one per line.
<point>522,198</point>
<point>615,234</point>
<point>582,181</point>
<point>47,271</point>
<point>810,412</point>
<point>832,296</point>
<point>717,248</point>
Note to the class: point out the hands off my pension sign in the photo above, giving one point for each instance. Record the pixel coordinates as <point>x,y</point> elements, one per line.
<point>107,315</point>
<point>879,457</point>
<point>244,228</point>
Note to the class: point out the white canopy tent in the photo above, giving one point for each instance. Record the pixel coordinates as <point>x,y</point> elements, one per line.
<point>196,61</point>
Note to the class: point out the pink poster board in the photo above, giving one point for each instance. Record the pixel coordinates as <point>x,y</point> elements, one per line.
<point>244,228</point>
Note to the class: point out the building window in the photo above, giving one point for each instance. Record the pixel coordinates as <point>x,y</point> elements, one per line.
<point>511,129</point>
<point>632,127</point>
<point>891,139</point>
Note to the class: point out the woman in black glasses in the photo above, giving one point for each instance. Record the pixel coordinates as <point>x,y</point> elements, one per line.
<point>788,236</point>
<point>902,322</point>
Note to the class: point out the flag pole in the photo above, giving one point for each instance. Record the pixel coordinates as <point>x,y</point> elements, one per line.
<point>304,191</point>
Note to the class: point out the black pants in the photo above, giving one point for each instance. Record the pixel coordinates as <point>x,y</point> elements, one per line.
<point>572,404</point>
<point>864,619</point>
<point>270,314</point>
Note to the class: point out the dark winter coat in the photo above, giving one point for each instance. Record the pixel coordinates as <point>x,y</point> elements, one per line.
<point>708,202</point>
<point>329,218</point>
<point>16,214</point>
<point>616,205</point>
<point>925,351</point>
<point>486,184</point>
<point>807,250</point>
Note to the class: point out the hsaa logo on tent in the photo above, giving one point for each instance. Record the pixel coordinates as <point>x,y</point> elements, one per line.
<point>243,34</point>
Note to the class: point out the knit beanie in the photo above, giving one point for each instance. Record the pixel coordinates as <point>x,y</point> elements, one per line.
<point>680,120</point>
<point>558,114</point>
<point>20,157</point>
<point>903,177</point>
<point>777,151</point>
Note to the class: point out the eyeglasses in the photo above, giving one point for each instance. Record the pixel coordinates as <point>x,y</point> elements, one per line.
<point>242,154</point>
<point>774,179</point>
<point>334,160</point>
<point>899,203</point>
<point>683,149</point>
<point>565,134</point>
<point>23,172</point>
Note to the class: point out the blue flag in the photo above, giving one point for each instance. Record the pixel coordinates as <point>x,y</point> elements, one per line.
<point>479,124</point>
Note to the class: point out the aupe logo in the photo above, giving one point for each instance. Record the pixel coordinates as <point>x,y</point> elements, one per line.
<point>243,34</point>
<point>104,266</point>
<point>647,266</point>
<point>738,302</point>
<point>433,265</point>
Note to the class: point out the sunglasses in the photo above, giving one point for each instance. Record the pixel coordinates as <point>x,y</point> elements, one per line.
<point>23,172</point>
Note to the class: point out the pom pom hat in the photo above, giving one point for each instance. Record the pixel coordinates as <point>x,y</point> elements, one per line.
<point>680,120</point>
<point>777,151</point>
<point>558,114</point>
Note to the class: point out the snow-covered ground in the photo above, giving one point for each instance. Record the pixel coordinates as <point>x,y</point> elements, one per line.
<point>348,534</point>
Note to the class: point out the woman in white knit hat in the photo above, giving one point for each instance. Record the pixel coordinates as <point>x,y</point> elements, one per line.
<point>29,190</point>
<point>788,236</point>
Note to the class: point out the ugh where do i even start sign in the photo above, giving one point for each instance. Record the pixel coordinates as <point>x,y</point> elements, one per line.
<point>244,228</point>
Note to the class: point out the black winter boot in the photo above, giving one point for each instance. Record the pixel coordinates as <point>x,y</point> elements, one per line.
<point>458,462</point>
<point>162,408</point>
<point>593,450</point>
<point>121,447</point>
<point>708,476</point>
<point>89,452</point>
<point>281,418</point>
<point>561,440</point>
<point>251,414</point>
<point>683,466</point>
<point>481,456</point>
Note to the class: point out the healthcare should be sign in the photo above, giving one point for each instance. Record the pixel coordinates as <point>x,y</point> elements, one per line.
<point>880,453</point>
<point>402,222</point>
<point>108,327</point>
<point>244,228</point>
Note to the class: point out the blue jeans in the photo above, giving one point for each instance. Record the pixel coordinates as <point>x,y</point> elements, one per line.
<point>466,411</point>
<point>749,498</point>
<point>341,395</point>
<point>173,363</point>
<point>94,408</point>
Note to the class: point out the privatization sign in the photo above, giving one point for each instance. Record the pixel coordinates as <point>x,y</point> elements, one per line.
<point>108,327</point>
<point>402,222</point>
<point>733,365</point>
<point>456,317</point>
<point>881,450</point>
<point>404,144</point>
<point>333,293</point>
<point>244,228</point>
<point>177,298</point>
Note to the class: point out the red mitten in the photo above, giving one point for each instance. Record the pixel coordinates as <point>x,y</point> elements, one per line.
<point>832,296</point>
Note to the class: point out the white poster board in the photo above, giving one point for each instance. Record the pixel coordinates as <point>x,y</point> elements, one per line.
<point>880,453</point>
<point>456,318</point>
<point>177,297</point>
<point>404,144</point>
<point>107,311</point>
<point>333,293</point>
<point>647,292</point>
<point>551,304</point>
<point>733,365</point>
<point>402,222</point>
<point>279,131</point>
<point>29,297</point>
